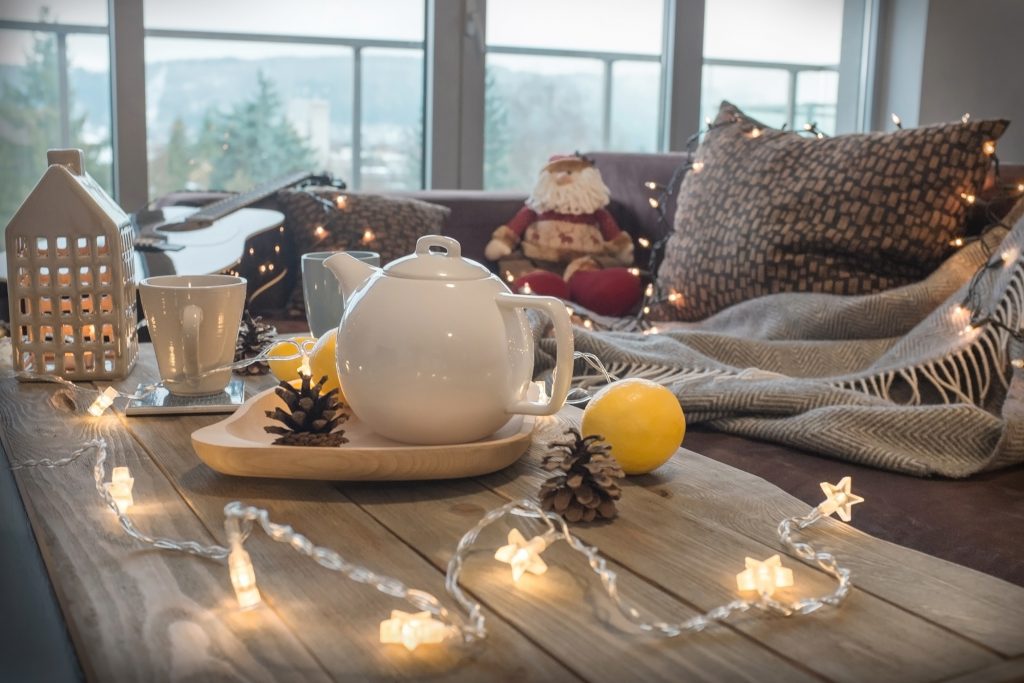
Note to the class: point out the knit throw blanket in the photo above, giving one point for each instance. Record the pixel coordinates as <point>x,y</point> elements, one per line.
<point>898,380</point>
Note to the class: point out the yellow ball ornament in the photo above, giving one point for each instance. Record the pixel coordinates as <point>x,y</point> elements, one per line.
<point>287,370</point>
<point>322,362</point>
<point>642,421</point>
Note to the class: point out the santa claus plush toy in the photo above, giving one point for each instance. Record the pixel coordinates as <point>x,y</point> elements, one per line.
<point>565,227</point>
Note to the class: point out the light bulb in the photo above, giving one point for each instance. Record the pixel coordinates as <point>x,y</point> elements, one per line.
<point>319,232</point>
<point>523,555</point>
<point>957,242</point>
<point>653,202</point>
<point>649,291</point>
<point>764,577</point>
<point>103,401</point>
<point>967,197</point>
<point>897,120</point>
<point>526,288</point>
<point>965,118</point>
<point>643,242</point>
<point>412,629</point>
<point>120,487</point>
<point>697,166</point>
<point>243,578</point>
<point>634,271</point>
<point>368,236</point>
<point>755,132</point>
<point>588,324</point>
<point>341,201</point>
<point>988,147</point>
<point>651,185</point>
<point>838,499</point>
<point>509,277</point>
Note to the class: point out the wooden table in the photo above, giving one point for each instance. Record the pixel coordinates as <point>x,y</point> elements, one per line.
<point>681,537</point>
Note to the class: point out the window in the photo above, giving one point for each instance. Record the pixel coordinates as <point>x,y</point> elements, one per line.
<point>337,86</point>
<point>778,61</point>
<point>54,92</point>
<point>549,90</point>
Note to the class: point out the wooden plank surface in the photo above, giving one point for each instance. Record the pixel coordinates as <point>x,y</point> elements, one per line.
<point>133,614</point>
<point>869,638</point>
<point>680,539</point>
<point>335,618</point>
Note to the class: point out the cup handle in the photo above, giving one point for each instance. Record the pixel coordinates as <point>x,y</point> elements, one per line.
<point>191,316</point>
<point>555,310</point>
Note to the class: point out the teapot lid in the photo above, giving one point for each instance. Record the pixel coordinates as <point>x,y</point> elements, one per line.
<point>437,258</point>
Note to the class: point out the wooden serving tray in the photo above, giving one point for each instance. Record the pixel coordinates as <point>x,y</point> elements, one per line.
<point>239,446</point>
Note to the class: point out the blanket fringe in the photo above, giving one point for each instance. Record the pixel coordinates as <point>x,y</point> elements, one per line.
<point>965,376</point>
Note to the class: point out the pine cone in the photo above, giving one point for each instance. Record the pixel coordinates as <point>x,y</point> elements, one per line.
<point>586,486</point>
<point>253,336</point>
<point>310,417</point>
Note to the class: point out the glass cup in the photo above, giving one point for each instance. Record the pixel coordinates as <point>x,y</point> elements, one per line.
<point>321,291</point>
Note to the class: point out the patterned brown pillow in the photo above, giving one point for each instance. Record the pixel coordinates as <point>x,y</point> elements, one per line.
<point>767,211</point>
<point>328,219</point>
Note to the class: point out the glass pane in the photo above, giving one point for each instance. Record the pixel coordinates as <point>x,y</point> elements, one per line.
<point>816,94</point>
<point>392,125</point>
<point>535,107</point>
<point>29,112</point>
<point>381,19</point>
<point>91,12</point>
<point>229,114</point>
<point>595,25</point>
<point>636,89</point>
<point>89,84</point>
<point>31,120</point>
<point>761,93</point>
<point>789,31</point>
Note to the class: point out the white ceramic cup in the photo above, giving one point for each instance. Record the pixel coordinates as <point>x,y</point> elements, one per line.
<point>321,291</point>
<point>193,323</point>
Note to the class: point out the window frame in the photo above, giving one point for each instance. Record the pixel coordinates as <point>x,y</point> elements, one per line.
<point>455,50</point>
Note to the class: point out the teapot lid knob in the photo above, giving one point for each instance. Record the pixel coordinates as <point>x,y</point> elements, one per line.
<point>437,258</point>
<point>438,244</point>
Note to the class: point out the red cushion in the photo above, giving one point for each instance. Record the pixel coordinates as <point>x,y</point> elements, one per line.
<point>542,282</point>
<point>612,291</point>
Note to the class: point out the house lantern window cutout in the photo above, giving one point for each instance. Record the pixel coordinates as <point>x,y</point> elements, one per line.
<point>71,277</point>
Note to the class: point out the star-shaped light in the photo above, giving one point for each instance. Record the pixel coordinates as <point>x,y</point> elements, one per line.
<point>839,499</point>
<point>412,629</point>
<point>764,577</point>
<point>523,555</point>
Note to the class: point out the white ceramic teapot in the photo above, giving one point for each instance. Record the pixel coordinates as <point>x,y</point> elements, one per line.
<point>433,349</point>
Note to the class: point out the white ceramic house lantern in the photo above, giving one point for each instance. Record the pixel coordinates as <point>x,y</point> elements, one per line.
<point>71,277</point>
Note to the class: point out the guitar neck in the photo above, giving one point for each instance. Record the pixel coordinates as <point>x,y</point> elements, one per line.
<point>219,209</point>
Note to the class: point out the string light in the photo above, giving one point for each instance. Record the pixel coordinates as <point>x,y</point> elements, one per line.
<point>634,271</point>
<point>756,132</point>
<point>341,202</point>
<point>967,197</point>
<point>897,121</point>
<point>319,232</point>
<point>674,297</point>
<point>526,288</point>
<point>103,401</point>
<point>764,576</point>
<point>838,499</point>
<point>988,147</point>
<point>368,236</point>
<point>120,488</point>
<point>412,629</point>
<point>522,555</point>
<point>643,242</point>
<point>589,324</point>
<point>509,277</point>
<point>651,185</point>
<point>697,167</point>
<point>653,202</point>
<point>243,577</point>
<point>956,242</point>
<point>965,118</point>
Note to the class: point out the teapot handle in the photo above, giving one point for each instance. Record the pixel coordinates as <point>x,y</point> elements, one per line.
<point>555,310</point>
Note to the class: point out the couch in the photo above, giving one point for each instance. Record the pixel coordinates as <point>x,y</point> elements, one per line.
<point>978,522</point>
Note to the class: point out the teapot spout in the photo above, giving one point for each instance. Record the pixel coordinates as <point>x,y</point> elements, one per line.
<point>350,272</point>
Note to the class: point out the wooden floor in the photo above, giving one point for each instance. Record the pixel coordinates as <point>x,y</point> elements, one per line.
<point>135,614</point>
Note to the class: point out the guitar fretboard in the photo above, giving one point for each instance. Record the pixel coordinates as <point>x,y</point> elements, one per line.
<point>219,209</point>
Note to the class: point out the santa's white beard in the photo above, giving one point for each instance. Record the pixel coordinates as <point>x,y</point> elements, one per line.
<point>585,194</point>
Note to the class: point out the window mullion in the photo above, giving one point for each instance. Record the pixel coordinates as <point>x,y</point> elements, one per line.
<point>682,63</point>
<point>128,108</point>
